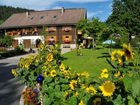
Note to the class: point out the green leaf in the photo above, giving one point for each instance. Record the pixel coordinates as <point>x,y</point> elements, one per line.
<point>136,88</point>
<point>128,83</point>
<point>73,100</point>
<point>118,101</point>
<point>138,99</point>
<point>48,79</point>
<point>65,87</point>
<point>131,101</point>
<point>57,88</point>
<point>62,80</point>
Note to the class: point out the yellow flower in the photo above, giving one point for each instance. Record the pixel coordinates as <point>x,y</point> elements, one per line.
<point>53,73</point>
<point>91,90</point>
<point>49,57</point>
<point>85,74</point>
<point>117,74</point>
<point>62,67</point>
<point>14,72</point>
<point>26,66</point>
<point>128,52</point>
<point>45,73</point>
<point>114,55</point>
<point>81,103</point>
<point>73,84</point>
<point>117,54</point>
<point>83,86</point>
<point>66,94</point>
<point>107,88</point>
<point>66,73</point>
<point>97,101</point>
<point>76,94</point>
<point>104,73</point>
<point>120,61</point>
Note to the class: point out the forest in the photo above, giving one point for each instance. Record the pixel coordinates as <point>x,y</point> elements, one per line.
<point>7,11</point>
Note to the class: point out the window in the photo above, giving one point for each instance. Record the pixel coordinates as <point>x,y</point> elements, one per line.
<point>67,36</point>
<point>32,18</point>
<point>41,17</point>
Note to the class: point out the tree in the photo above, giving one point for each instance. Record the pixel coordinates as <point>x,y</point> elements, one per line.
<point>126,14</point>
<point>93,28</point>
<point>6,41</point>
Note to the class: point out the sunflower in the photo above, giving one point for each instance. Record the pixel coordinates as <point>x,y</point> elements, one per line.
<point>117,74</point>
<point>53,73</point>
<point>14,72</point>
<point>128,52</point>
<point>66,94</point>
<point>76,93</point>
<point>117,54</point>
<point>83,86</point>
<point>91,90</point>
<point>73,84</point>
<point>85,74</point>
<point>45,73</point>
<point>62,67</point>
<point>104,73</point>
<point>114,55</point>
<point>107,88</point>
<point>49,57</point>
<point>81,103</point>
<point>97,101</point>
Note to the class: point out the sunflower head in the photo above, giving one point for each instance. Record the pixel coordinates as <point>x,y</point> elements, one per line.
<point>73,84</point>
<point>85,74</point>
<point>128,52</point>
<point>46,73</point>
<point>49,57</point>
<point>107,88</point>
<point>117,73</point>
<point>53,73</point>
<point>91,90</point>
<point>81,102</point>
<point>14,72</point>
<point>104,73</point>
<point>62,67</point>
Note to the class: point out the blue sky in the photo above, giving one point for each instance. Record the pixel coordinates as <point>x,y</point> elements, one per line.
<point>95,8</point>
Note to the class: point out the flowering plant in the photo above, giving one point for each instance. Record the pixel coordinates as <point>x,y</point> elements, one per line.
<point>58,85</point>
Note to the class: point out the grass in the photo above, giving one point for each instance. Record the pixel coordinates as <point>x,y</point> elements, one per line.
<point>91,61</point>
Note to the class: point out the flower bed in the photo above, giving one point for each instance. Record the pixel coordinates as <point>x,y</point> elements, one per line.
<point>50,82</point>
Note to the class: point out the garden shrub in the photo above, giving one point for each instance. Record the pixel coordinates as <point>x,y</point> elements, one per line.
<point>56,84</point>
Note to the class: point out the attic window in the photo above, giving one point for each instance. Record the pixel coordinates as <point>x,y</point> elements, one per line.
<point>41,17</point>
<point>54,16</point>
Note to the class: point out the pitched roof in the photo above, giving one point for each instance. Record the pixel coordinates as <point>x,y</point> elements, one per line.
<point>47,17</point>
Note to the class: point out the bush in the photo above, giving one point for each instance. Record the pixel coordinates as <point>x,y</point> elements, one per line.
<point>56,84</point>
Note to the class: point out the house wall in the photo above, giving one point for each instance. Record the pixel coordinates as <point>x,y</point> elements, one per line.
<point>66,38</point>
<point>31,43</point>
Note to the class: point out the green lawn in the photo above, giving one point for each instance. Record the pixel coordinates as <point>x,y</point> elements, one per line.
<point>92,61</point>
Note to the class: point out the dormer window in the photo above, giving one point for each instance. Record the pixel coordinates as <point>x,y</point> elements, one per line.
<point>41,17</point>
<point>54,17</point>
<point>32,18</point>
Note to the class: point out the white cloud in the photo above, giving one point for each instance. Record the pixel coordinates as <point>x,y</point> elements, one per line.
<point>41,4</point>
<point>92,14</point>
<point>57,7</point>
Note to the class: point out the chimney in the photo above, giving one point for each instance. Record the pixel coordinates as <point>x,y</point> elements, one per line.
<point>27,13</point>
<point>62,10</point>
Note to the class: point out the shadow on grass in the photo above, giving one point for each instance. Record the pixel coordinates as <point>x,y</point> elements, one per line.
<point>10,88</point>
<point>104,55</point>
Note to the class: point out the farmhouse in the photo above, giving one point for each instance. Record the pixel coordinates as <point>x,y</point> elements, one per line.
<point>49,26</point>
